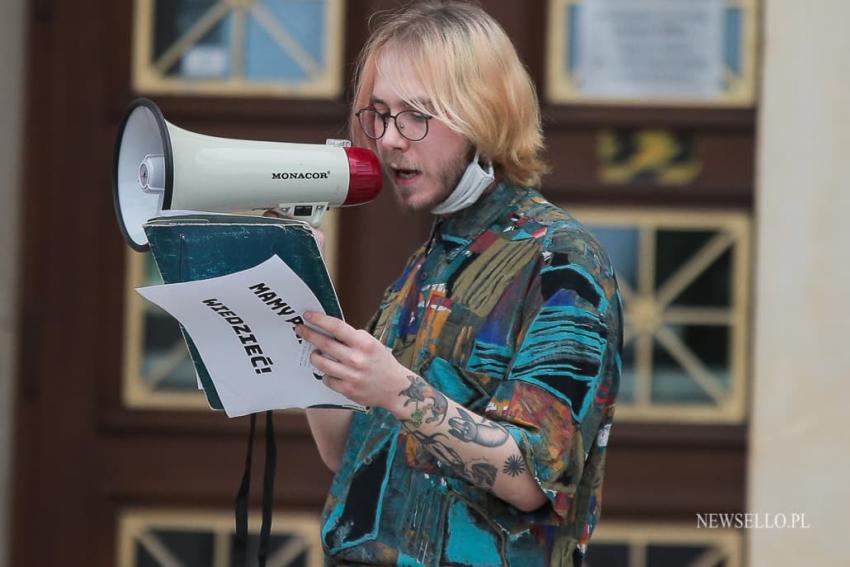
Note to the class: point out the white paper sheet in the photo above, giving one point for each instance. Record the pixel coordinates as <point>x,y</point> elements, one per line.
<point>243,326</point>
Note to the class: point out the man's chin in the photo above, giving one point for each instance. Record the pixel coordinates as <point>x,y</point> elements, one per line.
<point>407,200</point>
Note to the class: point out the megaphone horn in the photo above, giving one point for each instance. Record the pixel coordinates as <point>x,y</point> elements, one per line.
<point>160,167</point>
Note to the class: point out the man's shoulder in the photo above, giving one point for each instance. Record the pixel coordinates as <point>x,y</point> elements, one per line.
<point>534,210</point>
<point>556,232</point>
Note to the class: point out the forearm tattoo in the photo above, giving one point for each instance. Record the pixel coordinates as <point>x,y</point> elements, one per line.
<point>427,402</point>
<point>483,474</point>
<point>514,465</point>
<point>431,407</point>
<point>485,433</point>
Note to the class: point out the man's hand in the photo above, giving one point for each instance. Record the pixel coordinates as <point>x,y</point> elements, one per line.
<point>354,362</point>
<point>360,368</point>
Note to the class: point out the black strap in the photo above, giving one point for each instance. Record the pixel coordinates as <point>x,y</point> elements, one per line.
<point>268,490</point>
<point>240,545</point>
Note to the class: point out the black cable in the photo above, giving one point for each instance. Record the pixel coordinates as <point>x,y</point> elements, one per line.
<point>240,545</point>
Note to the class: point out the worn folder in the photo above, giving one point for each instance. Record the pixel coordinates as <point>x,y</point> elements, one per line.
<point>194,247</point>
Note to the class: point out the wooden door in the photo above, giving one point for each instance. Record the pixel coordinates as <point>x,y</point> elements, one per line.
<point>95,476</point>
<point>99,481</point>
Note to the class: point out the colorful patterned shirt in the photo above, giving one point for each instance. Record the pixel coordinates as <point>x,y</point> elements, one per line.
<point>511,309</point>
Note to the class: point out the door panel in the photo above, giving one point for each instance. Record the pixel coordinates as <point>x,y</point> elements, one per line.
<point>85,462</point>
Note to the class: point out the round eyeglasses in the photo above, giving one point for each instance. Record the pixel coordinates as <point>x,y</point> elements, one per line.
<point>411,124</point>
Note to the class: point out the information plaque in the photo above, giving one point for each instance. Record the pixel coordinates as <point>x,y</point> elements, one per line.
<point>652,52</point>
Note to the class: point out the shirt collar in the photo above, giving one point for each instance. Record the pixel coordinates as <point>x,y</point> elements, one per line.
<point>469,223</point>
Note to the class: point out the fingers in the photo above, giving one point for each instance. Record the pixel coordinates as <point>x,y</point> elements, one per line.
<point>332,368</point>
<point>337,328</point>
<point>328,345</point>
<point>332,383</point>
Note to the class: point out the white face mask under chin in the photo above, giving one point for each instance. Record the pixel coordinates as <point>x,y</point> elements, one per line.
<point>472,184</point>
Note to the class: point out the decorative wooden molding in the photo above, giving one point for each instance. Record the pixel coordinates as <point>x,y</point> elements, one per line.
<point>722,546</point>
<point>325,78</point>
<point>649,309</point>
<point>141,529</point>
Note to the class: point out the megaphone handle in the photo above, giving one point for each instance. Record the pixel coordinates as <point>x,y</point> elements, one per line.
<point>312,213</point>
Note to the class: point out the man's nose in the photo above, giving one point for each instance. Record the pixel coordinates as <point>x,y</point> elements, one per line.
<point>392,138</point>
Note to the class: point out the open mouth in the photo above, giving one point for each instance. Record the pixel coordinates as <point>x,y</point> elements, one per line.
<point>405,174</point>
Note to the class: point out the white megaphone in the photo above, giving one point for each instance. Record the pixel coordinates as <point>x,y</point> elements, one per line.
<point>160,167</point>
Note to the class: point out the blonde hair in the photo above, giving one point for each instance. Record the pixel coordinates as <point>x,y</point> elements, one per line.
<point>473,76</point>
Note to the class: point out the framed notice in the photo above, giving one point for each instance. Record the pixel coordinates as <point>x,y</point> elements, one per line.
<point>652,52</point>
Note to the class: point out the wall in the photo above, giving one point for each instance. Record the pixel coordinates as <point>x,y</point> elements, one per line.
<point>799,445</point>
<point>11,69</point>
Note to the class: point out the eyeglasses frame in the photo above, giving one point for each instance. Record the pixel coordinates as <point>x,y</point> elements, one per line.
<point>385,119</point>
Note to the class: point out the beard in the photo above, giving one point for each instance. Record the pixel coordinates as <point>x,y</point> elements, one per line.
<point>447,180</point>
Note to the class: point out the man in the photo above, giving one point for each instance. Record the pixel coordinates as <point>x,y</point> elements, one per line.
<point>492,365</point>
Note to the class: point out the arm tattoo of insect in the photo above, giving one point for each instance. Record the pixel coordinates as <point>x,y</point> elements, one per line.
<point>440,450</point>
<point>483,474</point>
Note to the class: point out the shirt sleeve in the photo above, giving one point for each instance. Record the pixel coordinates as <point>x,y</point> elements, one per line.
<point>560,388</point>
